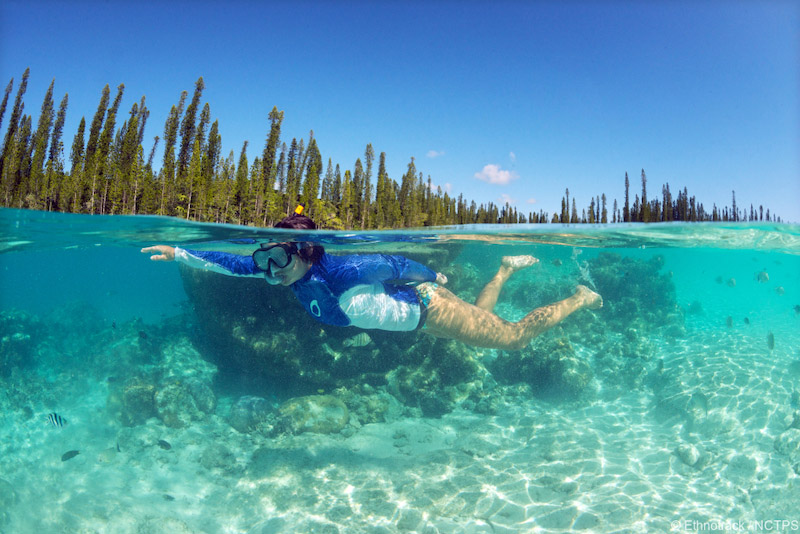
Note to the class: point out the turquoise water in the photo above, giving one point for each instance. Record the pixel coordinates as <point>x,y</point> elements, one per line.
<point>204,403</point>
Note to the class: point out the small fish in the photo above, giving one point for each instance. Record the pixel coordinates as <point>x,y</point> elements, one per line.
<point>358,340</point>
<point>164,445</point>
<point>762,277</point>
<point>118,447</point>
<point>718,279</point>
<point>114,324</point>
<point>168,497</point>
<point>731,282</point>
<point>746,320</point>
<point>797,309</point>
<point>69,455</point>
<point>142,334</point>
<point>771,341</point>
<point>729,321</point>
<point>779,290</point>
<point>56,420</point>
<point>557,262</point>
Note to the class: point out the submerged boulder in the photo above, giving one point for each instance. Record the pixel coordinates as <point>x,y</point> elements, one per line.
<point>248,411</point>
<point>323,414</point>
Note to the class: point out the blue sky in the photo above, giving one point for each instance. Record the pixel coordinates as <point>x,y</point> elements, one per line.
<point>501,101</point>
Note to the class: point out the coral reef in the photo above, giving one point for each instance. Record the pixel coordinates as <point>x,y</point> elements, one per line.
<point>635,293</point>
<point>248,411</point>
<point>549,365</point>
<point>323,414</point>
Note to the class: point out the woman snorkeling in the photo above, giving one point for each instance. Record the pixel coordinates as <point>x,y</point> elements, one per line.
<point>372,291</point>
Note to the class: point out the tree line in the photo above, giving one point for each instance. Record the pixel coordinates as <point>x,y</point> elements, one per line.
<point>110,173</point>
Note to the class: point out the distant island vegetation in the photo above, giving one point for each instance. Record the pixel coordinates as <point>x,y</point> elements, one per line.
<point>109,173</point>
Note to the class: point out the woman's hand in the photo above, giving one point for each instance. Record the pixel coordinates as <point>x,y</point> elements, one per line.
<point>160,252</point>
<point>441,279</point>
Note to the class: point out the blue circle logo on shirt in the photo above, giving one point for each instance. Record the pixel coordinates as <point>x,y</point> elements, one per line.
<point>314,307</point>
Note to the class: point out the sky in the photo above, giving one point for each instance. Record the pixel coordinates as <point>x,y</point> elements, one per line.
<point>508,101</point>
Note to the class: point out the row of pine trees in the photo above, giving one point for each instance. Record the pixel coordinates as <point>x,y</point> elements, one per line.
<point>110,173</point>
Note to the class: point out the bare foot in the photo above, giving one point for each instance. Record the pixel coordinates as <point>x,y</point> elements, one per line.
<point>590,299</point>
<point>515,263</point>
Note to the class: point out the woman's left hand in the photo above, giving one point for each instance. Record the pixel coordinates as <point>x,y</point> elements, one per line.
<point>441,279</point>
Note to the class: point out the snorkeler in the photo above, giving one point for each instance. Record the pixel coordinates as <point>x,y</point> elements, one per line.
<point>368,291</point>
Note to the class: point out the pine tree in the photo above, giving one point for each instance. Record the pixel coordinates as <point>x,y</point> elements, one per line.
<point>168,165</point>
<point>55,167</point>
<point>73,188</point>
<point>645,213</point>
<point>9,87</point>
<point>9,143</point>
<point>36,192</point>
<point>100,174</point>
<point>95,129</point>
<point>604,213</point>
<point>369,157</point>
<point>188,129</point>
<point>626,211</point>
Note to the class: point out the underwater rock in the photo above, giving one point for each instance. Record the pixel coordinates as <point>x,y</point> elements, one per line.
<point>217,456</point>
<point>550,366</point>
<point>689,454</point>
<point>369,405</point>
<point>138,404</point>
<point>449,375</point>
<point>322,414</point>
<point>176,406</point>
<point>203,395</point>
<point>247,412</point>
<point>788,444</point>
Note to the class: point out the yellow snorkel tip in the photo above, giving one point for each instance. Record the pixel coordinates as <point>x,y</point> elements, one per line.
<point>299,209</point>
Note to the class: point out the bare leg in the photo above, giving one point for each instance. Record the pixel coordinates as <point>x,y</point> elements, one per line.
<point>509,265</point>
<point>451,317</point>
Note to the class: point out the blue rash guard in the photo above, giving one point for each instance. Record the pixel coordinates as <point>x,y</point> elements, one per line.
<point>366,291</point>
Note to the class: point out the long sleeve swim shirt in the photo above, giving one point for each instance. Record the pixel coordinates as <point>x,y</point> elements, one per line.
<point>366,291</point>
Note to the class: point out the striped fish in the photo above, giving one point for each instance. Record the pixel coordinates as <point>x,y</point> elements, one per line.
<point>358,340</point>
<point>56,420</point>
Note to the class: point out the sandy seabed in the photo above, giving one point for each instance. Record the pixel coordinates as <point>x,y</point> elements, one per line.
<point>709,440</point>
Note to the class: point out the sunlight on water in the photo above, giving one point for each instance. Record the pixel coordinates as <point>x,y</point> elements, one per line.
<point>199,402</point>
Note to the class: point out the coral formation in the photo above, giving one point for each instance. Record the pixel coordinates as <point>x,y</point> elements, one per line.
<point>323,414</point>
<point>248,411</point>
<point>549,365</point>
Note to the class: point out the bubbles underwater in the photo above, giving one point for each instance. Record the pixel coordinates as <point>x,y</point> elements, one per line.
<point>667,404</point>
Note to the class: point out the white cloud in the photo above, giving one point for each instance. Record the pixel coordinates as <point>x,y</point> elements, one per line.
<point>512,157</point>
<point>505,198</point>
<point>532,200</point>
<point>435,153</point>
<point>493,174</point>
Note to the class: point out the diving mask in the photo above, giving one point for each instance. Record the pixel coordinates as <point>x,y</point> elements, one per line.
<point>274,256</point>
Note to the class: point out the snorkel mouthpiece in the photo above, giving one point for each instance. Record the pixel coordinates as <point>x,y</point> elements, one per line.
<point>271,280</point>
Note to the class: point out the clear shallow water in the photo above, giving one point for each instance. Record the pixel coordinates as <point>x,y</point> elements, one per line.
<point>684,414</point>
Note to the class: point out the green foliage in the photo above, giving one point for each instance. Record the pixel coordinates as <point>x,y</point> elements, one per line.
<point>108,174</point>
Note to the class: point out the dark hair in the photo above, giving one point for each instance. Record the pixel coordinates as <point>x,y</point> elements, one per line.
<point>309,252</point>
<point>295,221</point>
